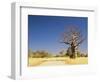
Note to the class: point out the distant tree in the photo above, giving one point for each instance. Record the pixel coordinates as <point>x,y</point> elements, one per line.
<point>39,54</point>
<point>62,54</point>
<point>78,54</point>
<point>86,55</point>
<point>82,55</point>
<point>30,53</point>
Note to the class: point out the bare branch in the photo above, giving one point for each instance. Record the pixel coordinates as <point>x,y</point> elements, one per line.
<point>65,43</point>
<point>73,35</point>
<point>80,42</point>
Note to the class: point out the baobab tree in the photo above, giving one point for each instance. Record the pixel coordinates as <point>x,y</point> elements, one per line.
<point>73,38</point>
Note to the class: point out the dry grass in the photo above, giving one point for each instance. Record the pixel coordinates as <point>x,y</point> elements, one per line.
<point>34,61</point>
<point>57,61</point>
<point>80,60</point>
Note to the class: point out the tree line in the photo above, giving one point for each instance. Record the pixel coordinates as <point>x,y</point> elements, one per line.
<point>43,54</point>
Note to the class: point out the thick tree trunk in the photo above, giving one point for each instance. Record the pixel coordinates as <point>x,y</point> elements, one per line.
<point>73,55</point>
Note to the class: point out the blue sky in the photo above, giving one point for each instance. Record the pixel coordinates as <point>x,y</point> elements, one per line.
<point>44,32</point>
